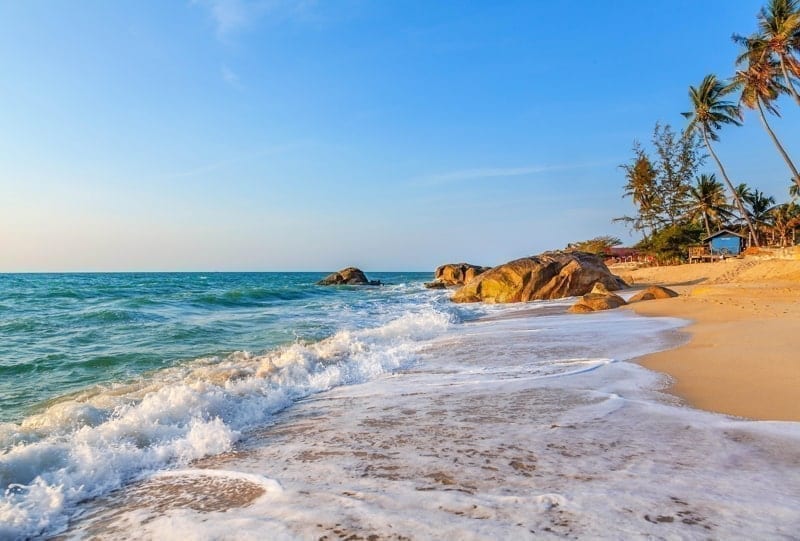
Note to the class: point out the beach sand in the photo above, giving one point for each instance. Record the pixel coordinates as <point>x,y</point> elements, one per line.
<point>477,442</point>
<point>742,358</point>
<point>550,435</point>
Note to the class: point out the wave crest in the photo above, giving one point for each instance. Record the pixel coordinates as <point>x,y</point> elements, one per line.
<point>97,440</point>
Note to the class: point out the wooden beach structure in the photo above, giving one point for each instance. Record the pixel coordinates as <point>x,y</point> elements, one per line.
<point>722,244</point>
<point>620,255</point>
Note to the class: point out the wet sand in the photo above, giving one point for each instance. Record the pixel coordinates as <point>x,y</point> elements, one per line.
<point>742,358</point>
<point>469,444</point>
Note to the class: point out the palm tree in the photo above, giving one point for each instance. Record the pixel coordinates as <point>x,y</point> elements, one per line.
<point>785,219</point>
<point>794,191</point>
<point>778,39</point>
<point>743,191</point>
<point>760,88</point>
<point>759,209</point>
<point>710,111</point>
<point>708,201</point>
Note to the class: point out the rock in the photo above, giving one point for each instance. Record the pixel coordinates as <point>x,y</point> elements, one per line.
<point>551,275</point>
<point>598,299</point>
<point>580,308</point>
<point>348,276</point>
<point>653,292</point>
<point>455,274</point>
<point>627,278</point>
<point>599,289</point>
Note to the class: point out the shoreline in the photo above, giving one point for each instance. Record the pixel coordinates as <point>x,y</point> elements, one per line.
<point>447,447</point>
<point>741,356</point>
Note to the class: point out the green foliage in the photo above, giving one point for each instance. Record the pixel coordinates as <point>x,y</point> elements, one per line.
<point>660,186</point>
<point>776,42</point>
<point>762,81</point>
<point>671,244</point>
<point>710,110</point>
<point>673,211</point>
<point>598,245</point>
<point>759,205</point>
<point>785,220</point>
<point>642,188</point>
<point>678,159</point>
<point>759,209</point>
<point>708,203</point>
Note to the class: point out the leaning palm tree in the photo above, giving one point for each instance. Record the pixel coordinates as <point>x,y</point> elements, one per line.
<point>710,111</point>
<point>708,202</point>
<point>760,88</point>
<point>778,39</point>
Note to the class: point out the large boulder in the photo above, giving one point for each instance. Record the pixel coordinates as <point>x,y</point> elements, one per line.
<point>599,298</point>
<point>350,276</point>
<point>653,292</point>
<point>455,274</point>
<point>551,275</point>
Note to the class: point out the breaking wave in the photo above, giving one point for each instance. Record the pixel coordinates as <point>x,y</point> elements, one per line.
<point>97,439</point>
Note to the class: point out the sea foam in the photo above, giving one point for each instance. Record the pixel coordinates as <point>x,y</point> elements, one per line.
<point>100,438</point>
<point>517,428</point>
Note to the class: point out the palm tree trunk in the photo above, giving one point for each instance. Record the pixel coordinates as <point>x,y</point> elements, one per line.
<point>731,188</point>
<point>789,83</point>
<point>786,158</point>
<point>705,221</point>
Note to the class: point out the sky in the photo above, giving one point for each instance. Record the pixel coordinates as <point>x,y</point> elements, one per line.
<point>277,135</point>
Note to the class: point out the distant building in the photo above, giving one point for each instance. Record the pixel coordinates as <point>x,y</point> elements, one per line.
<point>621,252</point>
<point>722,244</point>
<point>725,243</point>
<point>617,255</point>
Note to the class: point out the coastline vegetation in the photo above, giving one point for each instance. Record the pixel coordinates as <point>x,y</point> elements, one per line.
<point>677,202</point>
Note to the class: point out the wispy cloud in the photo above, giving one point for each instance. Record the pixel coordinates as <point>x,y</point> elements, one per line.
<point>230,77</point>
<point>230,16</point>
<point>483,173</point>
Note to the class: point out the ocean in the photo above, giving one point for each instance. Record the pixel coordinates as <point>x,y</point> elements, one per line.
<point>259,405</point>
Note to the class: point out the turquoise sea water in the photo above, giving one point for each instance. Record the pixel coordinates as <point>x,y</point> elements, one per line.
<point>61,333</point>
<point>106,377</point>
<point>112,383</point>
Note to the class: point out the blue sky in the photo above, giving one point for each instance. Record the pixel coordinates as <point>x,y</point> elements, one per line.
<point>301,135</point>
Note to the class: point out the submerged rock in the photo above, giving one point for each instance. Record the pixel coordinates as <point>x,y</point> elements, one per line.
<point>349,276</point>
<point>551,275</point>
<point>455,274</point>
<point>653,292</point>
<point>599,298</point>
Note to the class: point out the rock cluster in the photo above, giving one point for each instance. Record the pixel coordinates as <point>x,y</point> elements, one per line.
<point>653,292</point>
<point>599,298</point>
<point>551,275</point>
<point>455,274</point>
<point>349,276</point>
<point>602,299</point>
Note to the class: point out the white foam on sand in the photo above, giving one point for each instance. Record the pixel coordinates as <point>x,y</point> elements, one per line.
<point>511,428</point>
<point>91,443</point>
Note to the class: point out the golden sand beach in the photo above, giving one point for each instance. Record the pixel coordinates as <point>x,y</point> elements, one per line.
<point>742,358</point>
